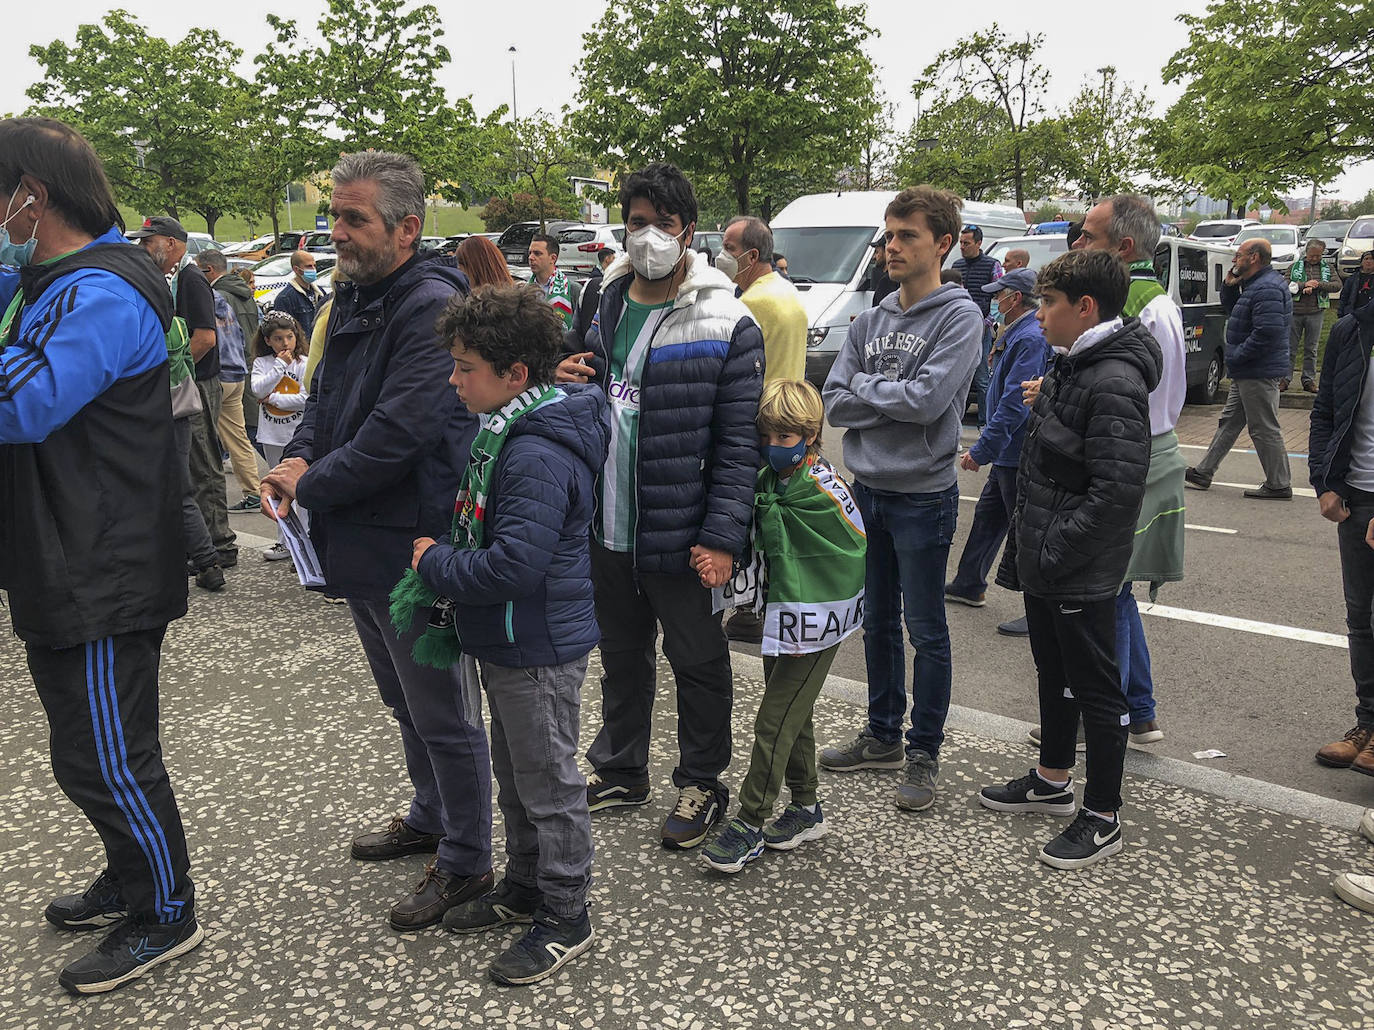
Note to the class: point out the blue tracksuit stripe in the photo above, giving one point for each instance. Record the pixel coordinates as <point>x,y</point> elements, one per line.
<point>161,857</point>
<point>114,769</point>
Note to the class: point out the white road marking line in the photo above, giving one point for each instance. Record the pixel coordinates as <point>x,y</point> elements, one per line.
<point>1234,450</point>
<point>1267,629</point>
<point>1210,529</point>
<point>1298,491</point>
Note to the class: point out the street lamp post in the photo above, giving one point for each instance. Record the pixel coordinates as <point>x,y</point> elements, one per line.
<point>514,111</point>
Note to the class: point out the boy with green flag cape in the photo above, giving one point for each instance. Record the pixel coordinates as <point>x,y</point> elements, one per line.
<point>808,578</point>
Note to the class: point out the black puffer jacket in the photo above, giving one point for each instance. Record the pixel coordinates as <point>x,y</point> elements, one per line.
<point>1345,374</point>
<point>1082,473</point>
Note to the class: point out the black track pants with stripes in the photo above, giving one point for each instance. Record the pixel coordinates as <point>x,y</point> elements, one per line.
<point>102,703</point>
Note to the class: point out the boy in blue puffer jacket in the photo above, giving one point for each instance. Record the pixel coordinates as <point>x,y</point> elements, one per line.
<point>518,574</point>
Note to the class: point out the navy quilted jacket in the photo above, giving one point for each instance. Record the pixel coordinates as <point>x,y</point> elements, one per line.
<point>1083,467</point>
<point>525,599</point>
<point>1260,310</point>
<point>1345,373</point>
<point>383,431</point>
<point>699,399</point>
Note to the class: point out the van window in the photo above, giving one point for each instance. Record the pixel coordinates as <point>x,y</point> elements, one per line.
<point>1192,275</point>
<point>1164,261</point>
<point>829,254</point>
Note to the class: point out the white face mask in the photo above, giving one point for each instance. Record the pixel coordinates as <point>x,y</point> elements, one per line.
<point>729,264</point>
<point>653,253</point>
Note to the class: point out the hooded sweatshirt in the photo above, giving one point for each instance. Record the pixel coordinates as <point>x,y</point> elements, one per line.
<point>899,385</point>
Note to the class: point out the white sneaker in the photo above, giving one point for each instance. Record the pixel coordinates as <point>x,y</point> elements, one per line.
<point>1356,890</point>
<point>277,552</point>
<point>1367,825</point>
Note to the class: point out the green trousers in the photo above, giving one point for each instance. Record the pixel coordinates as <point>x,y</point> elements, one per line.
<point>784,741</point>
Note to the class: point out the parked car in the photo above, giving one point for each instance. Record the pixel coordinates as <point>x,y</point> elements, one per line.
<point>514,243</point>
<point>321,241</point>
<point>1221,230</point>
<point>431,242</point>
<point>710,241</point>
<point>580,245</point>
<point>1282,238</point>
<point>1046,228</point>
<point>451,243</point>
<point>271,274</point>
<point>1358,239</point>
<point>1042,248</point>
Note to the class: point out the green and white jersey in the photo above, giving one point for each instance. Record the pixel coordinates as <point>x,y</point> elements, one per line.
<point>616,508</point>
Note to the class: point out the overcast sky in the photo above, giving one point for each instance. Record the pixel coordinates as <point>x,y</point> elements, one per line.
<point>547,36</point>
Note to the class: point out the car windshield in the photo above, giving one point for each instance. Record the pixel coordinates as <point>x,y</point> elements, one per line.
<point>829,254</point>
<point>1217,230</point>
<point>1361,230</point>
<point>1330,230</point>
<point>1281,234</point>
<point>274,266</point>
<point>1042,249</point>
<point>576,236</point>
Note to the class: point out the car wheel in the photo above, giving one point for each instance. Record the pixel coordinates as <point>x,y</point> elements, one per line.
<point>1207,391</point>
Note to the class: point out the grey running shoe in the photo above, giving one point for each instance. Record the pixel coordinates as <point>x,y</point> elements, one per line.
<point>917,792</point>
<point>864,752</point>
<point>1033,737</point>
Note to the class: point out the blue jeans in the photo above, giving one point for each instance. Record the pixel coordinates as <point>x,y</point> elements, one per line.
<point>991,516</point>
<point>908,550</point>
<point>1133,655</point>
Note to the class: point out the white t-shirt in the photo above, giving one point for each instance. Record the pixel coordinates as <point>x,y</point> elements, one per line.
<point>1165,323</point>
<point>280,388</point>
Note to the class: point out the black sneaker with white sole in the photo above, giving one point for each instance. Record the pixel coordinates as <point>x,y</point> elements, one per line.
<point>508,903</point>
<point>1087,839</point>
<point>1029,793</point>
<point>127,952</point>
<point>548,944</point>
<point>99,905</point>
<point>602,794</point>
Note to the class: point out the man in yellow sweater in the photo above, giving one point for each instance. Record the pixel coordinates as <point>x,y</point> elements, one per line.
<point>747,258</point>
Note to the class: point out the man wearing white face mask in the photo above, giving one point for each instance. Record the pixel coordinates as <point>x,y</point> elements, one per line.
<point>771,299</point>
<point>681,362</point>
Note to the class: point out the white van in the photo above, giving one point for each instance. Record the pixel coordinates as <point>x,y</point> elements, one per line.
<point>828,239</point>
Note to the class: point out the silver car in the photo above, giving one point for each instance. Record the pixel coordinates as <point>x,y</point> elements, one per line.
<point>1358,239</point>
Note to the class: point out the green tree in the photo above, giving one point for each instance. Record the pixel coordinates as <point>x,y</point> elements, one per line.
<point>958,144</point>
<point>1107,122</point>
<point>534,156</point>
<point>740,94</point>
<point>1003,75</point>
<point>1287,82</point>
<point>499,212</point>
<point>153,110</point>
<point>1196,151</point>
<point>369,81</point>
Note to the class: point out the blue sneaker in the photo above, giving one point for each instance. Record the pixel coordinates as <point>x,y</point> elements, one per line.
<point>127,952</point>
<point>795,826</point>
<point>735,847</point>
<point>545,947</point>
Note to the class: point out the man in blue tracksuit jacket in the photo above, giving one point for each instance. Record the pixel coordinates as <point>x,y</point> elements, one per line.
<point>1025,354</point>
<point>90,524</point>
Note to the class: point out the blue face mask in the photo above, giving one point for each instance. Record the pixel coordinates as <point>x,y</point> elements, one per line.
<point>310,275</point>
<point>994,311</point>
<point>11,253</point>
<point>783,458</point>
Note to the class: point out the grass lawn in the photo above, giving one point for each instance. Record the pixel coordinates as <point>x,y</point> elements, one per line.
<point>439,221</point>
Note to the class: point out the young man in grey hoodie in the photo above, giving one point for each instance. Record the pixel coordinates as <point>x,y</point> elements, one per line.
<point>898,387</point>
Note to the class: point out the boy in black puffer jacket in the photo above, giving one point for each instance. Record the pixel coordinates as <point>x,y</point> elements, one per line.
<point>1079,489</point>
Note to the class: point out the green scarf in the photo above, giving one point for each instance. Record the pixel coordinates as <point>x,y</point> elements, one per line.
<point>438,646</point>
